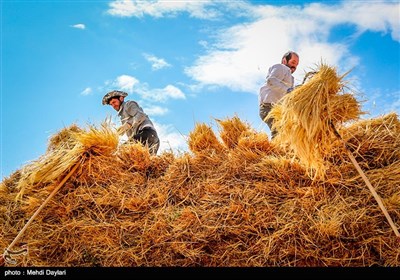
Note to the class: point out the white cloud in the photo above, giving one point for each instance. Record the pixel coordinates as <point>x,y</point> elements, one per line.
<point>385,15</point>
<point>86,91</point>
<point>156,111</point>
<point>156,63</point>
<point>380,101</point>
<point>173,92</point>
<point>170,138</point>
<point>125,83</point>
<point>130,84</point>
<point>161,94</point>
<point>196,9</point>
<point>79,26</point>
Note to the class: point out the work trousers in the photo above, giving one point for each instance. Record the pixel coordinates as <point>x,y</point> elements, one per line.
<point>148,137</point>
<point>265,108</point>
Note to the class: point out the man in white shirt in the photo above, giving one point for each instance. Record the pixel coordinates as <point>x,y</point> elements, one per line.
<point>279,81</point>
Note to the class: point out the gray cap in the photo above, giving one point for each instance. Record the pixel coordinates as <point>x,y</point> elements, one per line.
<point>112,94</point>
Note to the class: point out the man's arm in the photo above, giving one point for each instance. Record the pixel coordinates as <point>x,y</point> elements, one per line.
<point>133,115</point>
<point>123,128</point>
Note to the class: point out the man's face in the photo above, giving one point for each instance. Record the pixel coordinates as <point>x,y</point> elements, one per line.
<point>292,63</point>
<point>115,103</point>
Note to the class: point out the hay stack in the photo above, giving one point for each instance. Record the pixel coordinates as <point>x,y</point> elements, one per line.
<point>240,202</point>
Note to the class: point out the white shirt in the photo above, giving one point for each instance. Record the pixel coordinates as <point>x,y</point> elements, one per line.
<point>278,81</point>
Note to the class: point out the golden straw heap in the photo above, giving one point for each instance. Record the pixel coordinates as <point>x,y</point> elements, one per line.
<point>234,199</point>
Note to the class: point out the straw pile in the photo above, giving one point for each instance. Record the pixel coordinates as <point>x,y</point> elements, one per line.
<point>233,200</point>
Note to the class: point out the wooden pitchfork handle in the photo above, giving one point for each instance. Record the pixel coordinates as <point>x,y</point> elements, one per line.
<point>6,255</point>
<point>367,182</point>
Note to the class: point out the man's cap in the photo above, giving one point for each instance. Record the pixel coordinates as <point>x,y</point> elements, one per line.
<point>111,94</point>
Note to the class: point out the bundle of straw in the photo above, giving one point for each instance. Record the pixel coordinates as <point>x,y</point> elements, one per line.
<point>203,140</point>
<point>304,118</point>
<point>64,150</point>
<point>231,129</point>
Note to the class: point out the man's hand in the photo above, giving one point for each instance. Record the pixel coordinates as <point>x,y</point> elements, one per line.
<point>123,128</point>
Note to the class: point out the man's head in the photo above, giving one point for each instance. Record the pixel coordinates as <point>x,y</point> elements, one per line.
<point>291,60</point>
<point>114,98</point>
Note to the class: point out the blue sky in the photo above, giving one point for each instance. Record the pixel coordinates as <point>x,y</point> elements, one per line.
<point>185,62</point>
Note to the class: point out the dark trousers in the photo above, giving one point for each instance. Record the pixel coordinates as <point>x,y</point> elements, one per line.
<point>148,137</point>
<point>265,108</point>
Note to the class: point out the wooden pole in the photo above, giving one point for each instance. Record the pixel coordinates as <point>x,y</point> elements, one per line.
<point>374,193</point>
<point>368,183</point>
<point>2,261</point>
